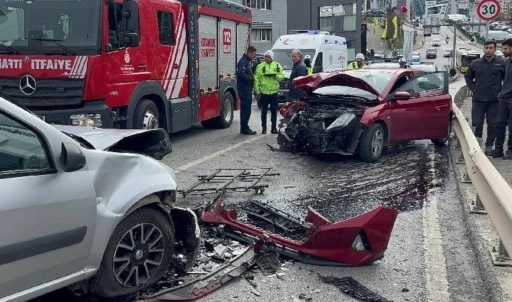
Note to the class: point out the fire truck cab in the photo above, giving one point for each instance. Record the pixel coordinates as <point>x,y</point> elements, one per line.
<point>123,64</point>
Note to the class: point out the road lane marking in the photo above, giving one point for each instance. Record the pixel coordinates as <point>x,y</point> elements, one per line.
<point>216,154</point>
<point>435,262</point>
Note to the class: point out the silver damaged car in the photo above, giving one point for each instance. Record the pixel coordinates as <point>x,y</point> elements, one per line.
<point>87,209</point>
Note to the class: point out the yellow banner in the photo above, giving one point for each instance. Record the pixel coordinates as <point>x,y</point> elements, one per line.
<point>395,23</point>
<point>385,31</point>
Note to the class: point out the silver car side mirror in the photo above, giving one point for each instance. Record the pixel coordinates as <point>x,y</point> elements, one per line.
<point>71,157</point>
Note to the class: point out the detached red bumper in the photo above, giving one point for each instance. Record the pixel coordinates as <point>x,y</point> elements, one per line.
<point>357,241</point>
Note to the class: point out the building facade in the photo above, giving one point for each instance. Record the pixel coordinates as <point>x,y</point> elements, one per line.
<point>273,18</point>
<point>339,17</point>
<point>268,21</point>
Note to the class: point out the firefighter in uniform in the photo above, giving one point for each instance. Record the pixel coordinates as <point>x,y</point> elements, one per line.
<point>358,63</point>
<point>266,85</point>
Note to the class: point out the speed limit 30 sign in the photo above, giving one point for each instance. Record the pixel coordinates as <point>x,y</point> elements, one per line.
<point>488,10</point>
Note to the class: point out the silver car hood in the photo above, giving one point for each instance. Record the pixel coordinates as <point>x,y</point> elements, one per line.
<point>154,143</point>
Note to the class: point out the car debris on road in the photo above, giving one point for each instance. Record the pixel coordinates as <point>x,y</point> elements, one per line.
<point>195,288</point>
<point>231,247</point>
<point>360,240</point>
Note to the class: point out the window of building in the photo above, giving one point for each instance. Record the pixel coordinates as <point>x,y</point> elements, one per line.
<point>258,4</point>
<point>349,23</point>
<point>326,23</point>
<point>259,35</point>
<point>165,28</point>
<point>340,18</point>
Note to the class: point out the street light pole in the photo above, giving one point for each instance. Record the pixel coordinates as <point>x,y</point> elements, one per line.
<point>454,45</point>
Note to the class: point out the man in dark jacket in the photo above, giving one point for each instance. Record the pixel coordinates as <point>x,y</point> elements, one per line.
<point>245,83</point>
<point>505,107</point>
<point>484,78</point>
<point>298,70</point>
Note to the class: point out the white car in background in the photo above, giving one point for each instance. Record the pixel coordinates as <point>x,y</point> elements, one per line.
<point>436,42</point>
<point>81,209</point>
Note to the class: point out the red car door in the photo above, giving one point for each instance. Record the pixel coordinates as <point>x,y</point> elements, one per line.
<point>433,88</point>
<point>406,115</point>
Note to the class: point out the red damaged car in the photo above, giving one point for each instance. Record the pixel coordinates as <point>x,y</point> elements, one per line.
<point>361,111</point>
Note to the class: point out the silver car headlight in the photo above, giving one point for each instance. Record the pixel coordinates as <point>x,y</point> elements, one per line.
<point>341,122</point>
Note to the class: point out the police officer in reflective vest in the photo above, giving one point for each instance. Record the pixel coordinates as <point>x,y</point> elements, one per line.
<point>307,62</point>
<point>358,63</point>
<point>266,85</point>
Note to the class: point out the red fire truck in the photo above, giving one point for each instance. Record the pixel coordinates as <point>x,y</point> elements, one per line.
<point>123,64</point>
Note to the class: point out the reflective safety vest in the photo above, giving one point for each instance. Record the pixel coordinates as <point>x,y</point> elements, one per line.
<point>310,70</point>
<point>354,65</point>
<point>267,77</point>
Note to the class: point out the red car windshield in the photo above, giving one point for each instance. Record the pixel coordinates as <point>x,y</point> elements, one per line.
<point>378,79</point>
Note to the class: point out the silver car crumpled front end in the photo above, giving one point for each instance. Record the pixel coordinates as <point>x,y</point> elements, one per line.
<point>154,143</point>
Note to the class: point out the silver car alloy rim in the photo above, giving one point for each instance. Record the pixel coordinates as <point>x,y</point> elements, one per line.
<point>150,121</point>
<point>377,142</point>
<point>138,255</point>
<point>227,110</point>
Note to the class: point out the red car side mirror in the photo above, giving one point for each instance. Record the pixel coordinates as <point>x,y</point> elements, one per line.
<point>402,96</point>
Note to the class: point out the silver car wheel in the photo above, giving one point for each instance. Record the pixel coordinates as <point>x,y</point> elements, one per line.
<point>150,120</point>
<point>138,255</point>
<point>377,142</point>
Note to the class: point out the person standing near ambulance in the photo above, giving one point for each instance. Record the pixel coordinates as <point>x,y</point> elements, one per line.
<point>358,63</point>
<point>299,69</point>
<point>307,62</point>
<point>266,85</point>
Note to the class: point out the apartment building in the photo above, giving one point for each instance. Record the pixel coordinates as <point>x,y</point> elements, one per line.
<point>272,18</point>
<point>340,17</point>
<point>268,21</point>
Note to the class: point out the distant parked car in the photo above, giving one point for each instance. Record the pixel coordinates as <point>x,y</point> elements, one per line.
<point>425,67</point>
<point>379,54</point>
<point>447,53</point>
<point>431,53</point>
<point>436,42</point>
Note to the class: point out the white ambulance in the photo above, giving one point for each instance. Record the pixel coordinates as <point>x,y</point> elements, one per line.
<point>327,53</point>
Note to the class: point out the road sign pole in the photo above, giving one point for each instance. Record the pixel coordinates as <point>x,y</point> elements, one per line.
<point>486,30</point>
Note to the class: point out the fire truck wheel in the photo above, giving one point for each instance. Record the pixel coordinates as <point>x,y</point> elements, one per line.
<point>146,115</point>
<point>226,114</point>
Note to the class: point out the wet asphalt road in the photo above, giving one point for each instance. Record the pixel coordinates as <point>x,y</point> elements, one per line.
<point>429,257</point>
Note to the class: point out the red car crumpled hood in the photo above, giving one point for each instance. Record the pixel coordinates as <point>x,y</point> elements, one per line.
<point>323,79</point>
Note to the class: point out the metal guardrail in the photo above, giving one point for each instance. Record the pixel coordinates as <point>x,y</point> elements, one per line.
<point>494,194</point>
